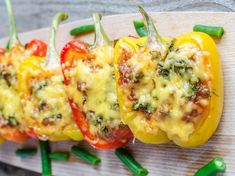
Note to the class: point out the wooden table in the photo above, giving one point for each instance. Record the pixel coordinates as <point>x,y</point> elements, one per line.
<point>38,13</point>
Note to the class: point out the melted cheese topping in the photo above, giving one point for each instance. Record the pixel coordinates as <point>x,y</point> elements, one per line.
<point>171,94</point>
<point>10,107</point>
<point>92,88</point>
<point>46,109</point>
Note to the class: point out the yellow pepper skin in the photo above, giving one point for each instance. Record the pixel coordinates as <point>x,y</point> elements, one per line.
<point>2,51</point>
<point>139,130</point>
<point>189,110</point>
<point>46,110</point>
<point>205,129</point>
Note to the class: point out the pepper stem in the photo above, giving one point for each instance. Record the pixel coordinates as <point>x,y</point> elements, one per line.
<point>101,37</point>
<point>52,54</point>
<point>155,41</point>
<point>13,39</point>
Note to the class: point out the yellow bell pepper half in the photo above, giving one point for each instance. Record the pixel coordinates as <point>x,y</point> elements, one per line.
<point>47,112</point>
<point>143,130</point>
<point>169,89</point>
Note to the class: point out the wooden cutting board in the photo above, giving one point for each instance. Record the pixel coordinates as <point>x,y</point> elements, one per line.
<point>160,160</point>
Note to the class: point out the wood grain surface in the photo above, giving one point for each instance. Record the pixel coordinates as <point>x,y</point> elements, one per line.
<point>34,14</point>
<point>162,160</point>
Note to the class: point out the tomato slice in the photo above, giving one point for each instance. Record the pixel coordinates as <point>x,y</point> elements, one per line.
<point>120,136</point>
<point>38,47</point>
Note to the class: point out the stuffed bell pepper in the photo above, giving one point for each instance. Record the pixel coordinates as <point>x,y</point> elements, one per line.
<point>90,84</point>
<point>169,89</point>
<point>47,114</point>
<point>10,107</point>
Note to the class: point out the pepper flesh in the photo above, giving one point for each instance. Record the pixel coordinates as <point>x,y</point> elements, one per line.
<point>94,59</point>
<point>47,113</point>
<point>11,110</point>
<point>149,129</point>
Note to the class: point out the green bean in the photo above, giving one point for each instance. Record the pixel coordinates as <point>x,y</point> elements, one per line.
<point>92,159</point>
<point>61,156</point>
<point>214,31</point>
<point>213,167</point>
<point>26,152</point>
<point>130,162</point>
<point>138,24</point>
<point>142,32</point>
<point>140,28</point>
<point>82,29</point>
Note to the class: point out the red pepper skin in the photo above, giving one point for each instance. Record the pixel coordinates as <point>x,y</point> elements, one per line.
<point>31,133</point>
<point>38,47</point>
<point>122,135</point>
<point>2,51</point>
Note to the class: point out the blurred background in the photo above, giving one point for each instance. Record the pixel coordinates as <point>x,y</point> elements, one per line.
<point>34,14</point>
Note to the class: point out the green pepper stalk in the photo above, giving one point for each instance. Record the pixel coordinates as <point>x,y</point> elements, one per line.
<point>155,41</point>
<point>13,39</point>
<point>101,37</point>
<point>52,57</point>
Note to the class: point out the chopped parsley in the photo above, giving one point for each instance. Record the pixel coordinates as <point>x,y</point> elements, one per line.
<point>155,54</point>
<point>177,66</point>
<point>7,78</point>
<point>55,116</point>
<point>12,121</point>
<point>115,106</point>
<point>180,67</point>
<point>162,71</point>
<point>146,107</point>
<point>40,86</point>
<point>138,76</point>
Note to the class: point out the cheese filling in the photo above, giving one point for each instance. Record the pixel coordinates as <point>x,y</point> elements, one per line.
<point>46,109</point>
<point>10,107</point>
<point>92,89</point>
<point>172,93</point>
